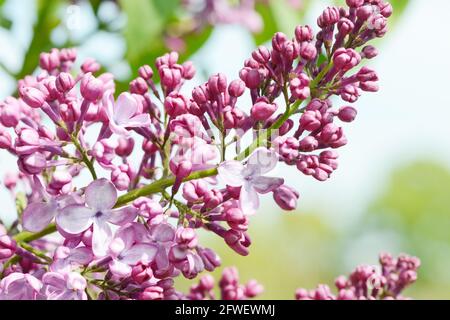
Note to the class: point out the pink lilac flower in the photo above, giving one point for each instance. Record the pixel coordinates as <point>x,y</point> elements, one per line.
<point>101,196</point>
<point>123,114</point>
<point>125,255</point>
<point>370,283</point>
<point>20,286</point>
<point>70,286</point>
<point>39,213</point>
<point>251,177</point>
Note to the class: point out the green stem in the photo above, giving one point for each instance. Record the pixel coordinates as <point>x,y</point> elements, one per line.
<point>161,185</point>
<point>85,157</point>
<point>28,236</point>
<point>36,252</point>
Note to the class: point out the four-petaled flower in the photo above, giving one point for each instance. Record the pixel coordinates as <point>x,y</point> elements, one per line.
<point>250,177</point>
<point>101,196</point>
<point>123,113</point>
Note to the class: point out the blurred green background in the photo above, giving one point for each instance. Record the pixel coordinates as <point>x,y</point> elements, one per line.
<point>392,191</point>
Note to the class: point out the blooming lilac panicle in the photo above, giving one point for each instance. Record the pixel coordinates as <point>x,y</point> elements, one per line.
<point>166,163</point>
<point>369,283</point>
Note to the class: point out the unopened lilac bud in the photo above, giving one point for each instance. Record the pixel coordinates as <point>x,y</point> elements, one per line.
<point>125,146</point>
<point>33,163</point>
<point>212,198</point>
<point>64,82</point>
<point>286,197</point>
<point>304,33</point>
<point>354,3</point>
<point>346,59</point>
<point>146,72</point>
<point>262,110</point>
<point>308,144</point>
<point>253,289</point>
<point>170,77</point>
<point>10,112</point>
<point>364,12</point>
<point>68,54</point>
<point>286,127</point>
<point>182,169</point>
<point>200,94</point>
<point>345,26</point>
<point>369,52</point>
<point>333,136</point>
<point>251,77</point>
<point>49,61</point>
<point>369,86</point>
<point>121,177</point>
<point>350,93</point>
<point>5,139</point>
<point>308,51</point>
<point>176,104</point>
<point>299,87</point>
<point>90,66</point>
<point>210,259</point>
<point>347,114</point>
<point>291,50</point>
<point>385,9</point>
<point>138,86</point>
<point>33,97</point>
<point>188,70</point>
<point>187,237</point>
<point>91,88</point>
<point>328,17</point>
<point>152,293</point>
<point>278,41</point>
<point>346,294</point>
<point>261,55</point>
<point>60,179</point>
<point>207,282</point>
<point>236,88</point>
<point>194,190</point>
<point>217,84</point>
<point>340,282</point>
<point>7,247</point>
<point>311,120</point>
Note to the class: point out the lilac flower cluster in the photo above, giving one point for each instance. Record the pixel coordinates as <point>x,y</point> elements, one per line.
<point>369,282</point>
<point>132,230</point>
<point>229,286</point>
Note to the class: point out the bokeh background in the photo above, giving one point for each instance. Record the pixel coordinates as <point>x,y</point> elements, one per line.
<point>392,190</point>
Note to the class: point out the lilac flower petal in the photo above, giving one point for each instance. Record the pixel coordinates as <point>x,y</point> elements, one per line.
<point>119,130</point>
<point>231,173</point>
<point>141,120</point>
<point>101,195</point>
<point>125,108</point>
<point>81,255</point>
<point>143,252</point>
<point>54,279</point>
<point>122,216</point>
<point>38,215</point>
<point>120,268</point>
<point>248,199</point>
<point>75,219</point>
<point>263,159</point>
<point>163,232</point>
<point>266,184</point>
<point>101,237</point>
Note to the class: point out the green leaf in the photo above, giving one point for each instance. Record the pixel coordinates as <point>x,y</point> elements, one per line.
<point>278,15</point>
<point>399,7</point>
<point>143,32</point>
